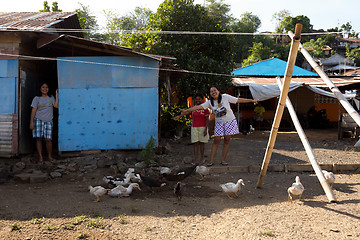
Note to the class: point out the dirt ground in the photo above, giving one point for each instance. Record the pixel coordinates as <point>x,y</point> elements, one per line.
<point>63,208</point>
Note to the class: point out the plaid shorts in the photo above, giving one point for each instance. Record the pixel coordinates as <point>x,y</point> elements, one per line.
<point>228,128</point>
<point>42,129</point>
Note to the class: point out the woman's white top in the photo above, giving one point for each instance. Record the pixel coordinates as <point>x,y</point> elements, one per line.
<point>222,110</point>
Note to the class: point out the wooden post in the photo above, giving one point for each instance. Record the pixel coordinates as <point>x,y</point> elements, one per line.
<point>308,149</point>
<point>281,104</point>
<point>344,102</point>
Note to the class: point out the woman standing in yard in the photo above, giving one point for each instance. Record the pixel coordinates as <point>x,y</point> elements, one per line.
<point>41,120</point>
<point>225,121</point>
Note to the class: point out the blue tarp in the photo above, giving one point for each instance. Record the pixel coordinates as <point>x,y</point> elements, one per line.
<point>271,67</point>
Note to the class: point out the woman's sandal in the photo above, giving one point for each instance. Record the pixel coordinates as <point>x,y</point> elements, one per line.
<point>210,164</point>
<point>224,164</point>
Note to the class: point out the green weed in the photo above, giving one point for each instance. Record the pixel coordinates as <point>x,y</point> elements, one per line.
<point>68,227</point>
<point>79,219</point>
<point>36,221</point>
<point>96,223</point>
<point>82,235</point>
<point>15,226</point>
<point>122,219</point>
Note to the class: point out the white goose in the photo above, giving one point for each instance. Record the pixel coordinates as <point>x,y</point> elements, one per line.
<point>296,189</point>
<point>232,188</point>
<point>121,191</point>
<point>330,177</point>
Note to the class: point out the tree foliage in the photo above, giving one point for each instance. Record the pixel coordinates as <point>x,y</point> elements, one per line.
<point>136,20</point>
<point>289,23</point>
<point>219,10</point>
<point>88,21</point>
<point>257,52</point>
<point>317,47</point>
<point>248,23</point>
<point>54,7</point>
<point>277,17</point>
<point>199,52</point>
<point>354,54</point>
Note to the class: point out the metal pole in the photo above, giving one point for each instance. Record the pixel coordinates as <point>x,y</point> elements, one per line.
<point>344,102</point>
<point>281,104</point>
<point>308,149</point>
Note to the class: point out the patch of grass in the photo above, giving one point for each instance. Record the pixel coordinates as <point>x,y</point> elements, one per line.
<point>134,208</point>
<point>267,233</point>
<point>95,214</point>
<point>68,227</point>
<point>79,219</point>
<point>82,235</point>
<point>49,227</point>
<point>177,217</point>
<point>15,226</point>
<point>96,223</point>
<point>148,153</point>
<point>36,221</point>
<point>122,219</point>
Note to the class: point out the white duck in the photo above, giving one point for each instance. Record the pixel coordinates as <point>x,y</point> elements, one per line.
<point>98,191</point>
<point>129,171</point>
<point>330,177</point>
<point>202,171</point>
<point>121,191</point>
<point>165,170</point>
<point>232,188</point>
<point>296,189</point>
<point>125,181</point>
<point>135,178</point>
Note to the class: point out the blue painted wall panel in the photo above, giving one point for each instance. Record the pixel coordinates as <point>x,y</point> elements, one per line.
<point>111,72</point>
<point>98,108</point>
<point>107,118</point>
<point>8,86</point>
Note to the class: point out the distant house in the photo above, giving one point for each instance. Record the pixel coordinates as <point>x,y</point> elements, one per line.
<point>108,95</point>
<point>259,81</point>
<point>342,42</point>
<point>336,63</point>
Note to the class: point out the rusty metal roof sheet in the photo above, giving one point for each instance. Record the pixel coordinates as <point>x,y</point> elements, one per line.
<point>32,20</point>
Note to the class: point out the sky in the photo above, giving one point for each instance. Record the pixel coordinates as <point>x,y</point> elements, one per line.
<point>322,14</point>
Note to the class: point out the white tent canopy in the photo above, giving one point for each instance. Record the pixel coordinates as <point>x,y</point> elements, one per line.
<point>268,91</point>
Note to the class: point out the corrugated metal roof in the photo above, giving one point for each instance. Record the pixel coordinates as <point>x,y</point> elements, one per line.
<point>31,20</point>
<point>335,60</point>
<point>87,47</point>
<point>350,40</point>
<point>353,73</point>
<point>270,67</point>
<point>313,81</point>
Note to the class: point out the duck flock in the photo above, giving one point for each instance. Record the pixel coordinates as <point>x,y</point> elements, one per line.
<point>123,187</point>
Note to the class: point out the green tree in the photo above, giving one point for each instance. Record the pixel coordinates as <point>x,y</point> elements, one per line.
<point>199,52</point>
<point>317,47</point>
<point>257,52</point>
<point>248,23</point>
<point>277,17</point>
<point>88,21</point>
<point>136,20</point>
<point>220,11</point>
<point>354,54</point>
<point>46,7</point>
<point>289,23</point>
<point>348,31</point>
<point>54,7</point>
